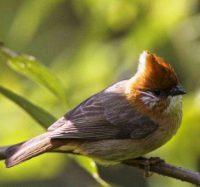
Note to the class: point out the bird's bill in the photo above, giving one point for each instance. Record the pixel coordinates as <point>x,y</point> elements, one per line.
<point>178,90</point>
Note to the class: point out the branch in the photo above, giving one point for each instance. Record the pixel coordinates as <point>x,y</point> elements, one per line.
<point>155,165</point>
<point>162,168</point>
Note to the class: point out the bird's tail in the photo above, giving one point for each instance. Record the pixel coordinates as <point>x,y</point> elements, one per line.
<point>23,151</point>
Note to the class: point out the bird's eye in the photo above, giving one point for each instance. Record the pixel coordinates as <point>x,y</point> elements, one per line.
<point>157,92</point>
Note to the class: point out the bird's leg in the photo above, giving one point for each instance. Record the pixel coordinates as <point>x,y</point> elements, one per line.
<point>144,163</point>
<point>148,163</point>
<point>147,167</point>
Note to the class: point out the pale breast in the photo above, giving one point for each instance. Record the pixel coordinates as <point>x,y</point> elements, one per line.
<point>169,122</point>
<point>118,150</point>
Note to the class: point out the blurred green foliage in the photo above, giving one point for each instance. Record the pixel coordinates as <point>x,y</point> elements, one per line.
<point>32,69</point>
<point>85,46</point>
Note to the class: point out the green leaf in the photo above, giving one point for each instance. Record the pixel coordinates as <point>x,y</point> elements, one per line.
<point>45,119</point>
<point>90,166</point>
<point>40,115</point>
<point>34,70</point>
<point>31,68</point>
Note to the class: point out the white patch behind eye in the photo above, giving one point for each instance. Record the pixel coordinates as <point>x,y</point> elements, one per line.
<point>149,102</point>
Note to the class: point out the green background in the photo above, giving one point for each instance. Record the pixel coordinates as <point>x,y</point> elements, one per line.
<point>88,45</point>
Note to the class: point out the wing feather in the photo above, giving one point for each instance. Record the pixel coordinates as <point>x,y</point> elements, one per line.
<point>106,115</point>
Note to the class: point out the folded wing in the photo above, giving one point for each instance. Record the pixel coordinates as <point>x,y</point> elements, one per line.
<point>107,115</point>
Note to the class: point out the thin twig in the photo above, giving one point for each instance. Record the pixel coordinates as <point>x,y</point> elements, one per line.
<point>154,165</point>
<point>166,169</point>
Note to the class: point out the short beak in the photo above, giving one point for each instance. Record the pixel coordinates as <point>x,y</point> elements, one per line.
<point>178,90</point>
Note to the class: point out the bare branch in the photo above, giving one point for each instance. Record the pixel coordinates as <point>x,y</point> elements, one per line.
<point>162,168</point>
<point>155,165</point>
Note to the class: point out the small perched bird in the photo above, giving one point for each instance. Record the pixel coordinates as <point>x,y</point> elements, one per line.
<point>124,121</point>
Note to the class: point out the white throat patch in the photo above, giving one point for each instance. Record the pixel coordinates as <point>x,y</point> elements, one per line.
<point>175,103</point>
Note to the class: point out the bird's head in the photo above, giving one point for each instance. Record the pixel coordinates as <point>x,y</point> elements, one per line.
<point>155,87</point>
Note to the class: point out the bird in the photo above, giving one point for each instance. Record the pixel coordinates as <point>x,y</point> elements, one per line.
<point>124,121</point>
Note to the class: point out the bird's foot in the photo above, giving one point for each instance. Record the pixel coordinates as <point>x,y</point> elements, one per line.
<point>145,163</point>
<point>148,163</point>
<point>147,168</point>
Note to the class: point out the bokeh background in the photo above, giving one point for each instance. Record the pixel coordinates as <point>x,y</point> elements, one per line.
<point>89,44</point>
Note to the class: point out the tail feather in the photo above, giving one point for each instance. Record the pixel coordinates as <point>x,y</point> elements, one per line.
<point>26,150</point>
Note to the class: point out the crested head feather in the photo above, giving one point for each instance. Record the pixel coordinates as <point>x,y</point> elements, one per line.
<point>154,73</point>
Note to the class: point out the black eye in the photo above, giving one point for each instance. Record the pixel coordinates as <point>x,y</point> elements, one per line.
<point>156,92</point>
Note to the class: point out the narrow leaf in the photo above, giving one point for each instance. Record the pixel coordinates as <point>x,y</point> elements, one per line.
<point>31,68</point>
<point>45,119</point>
<point>90,166</point>
<point>34,70</point>
<point>38,114</point>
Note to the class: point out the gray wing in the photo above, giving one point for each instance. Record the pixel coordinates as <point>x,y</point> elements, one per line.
<point>107,115</point>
